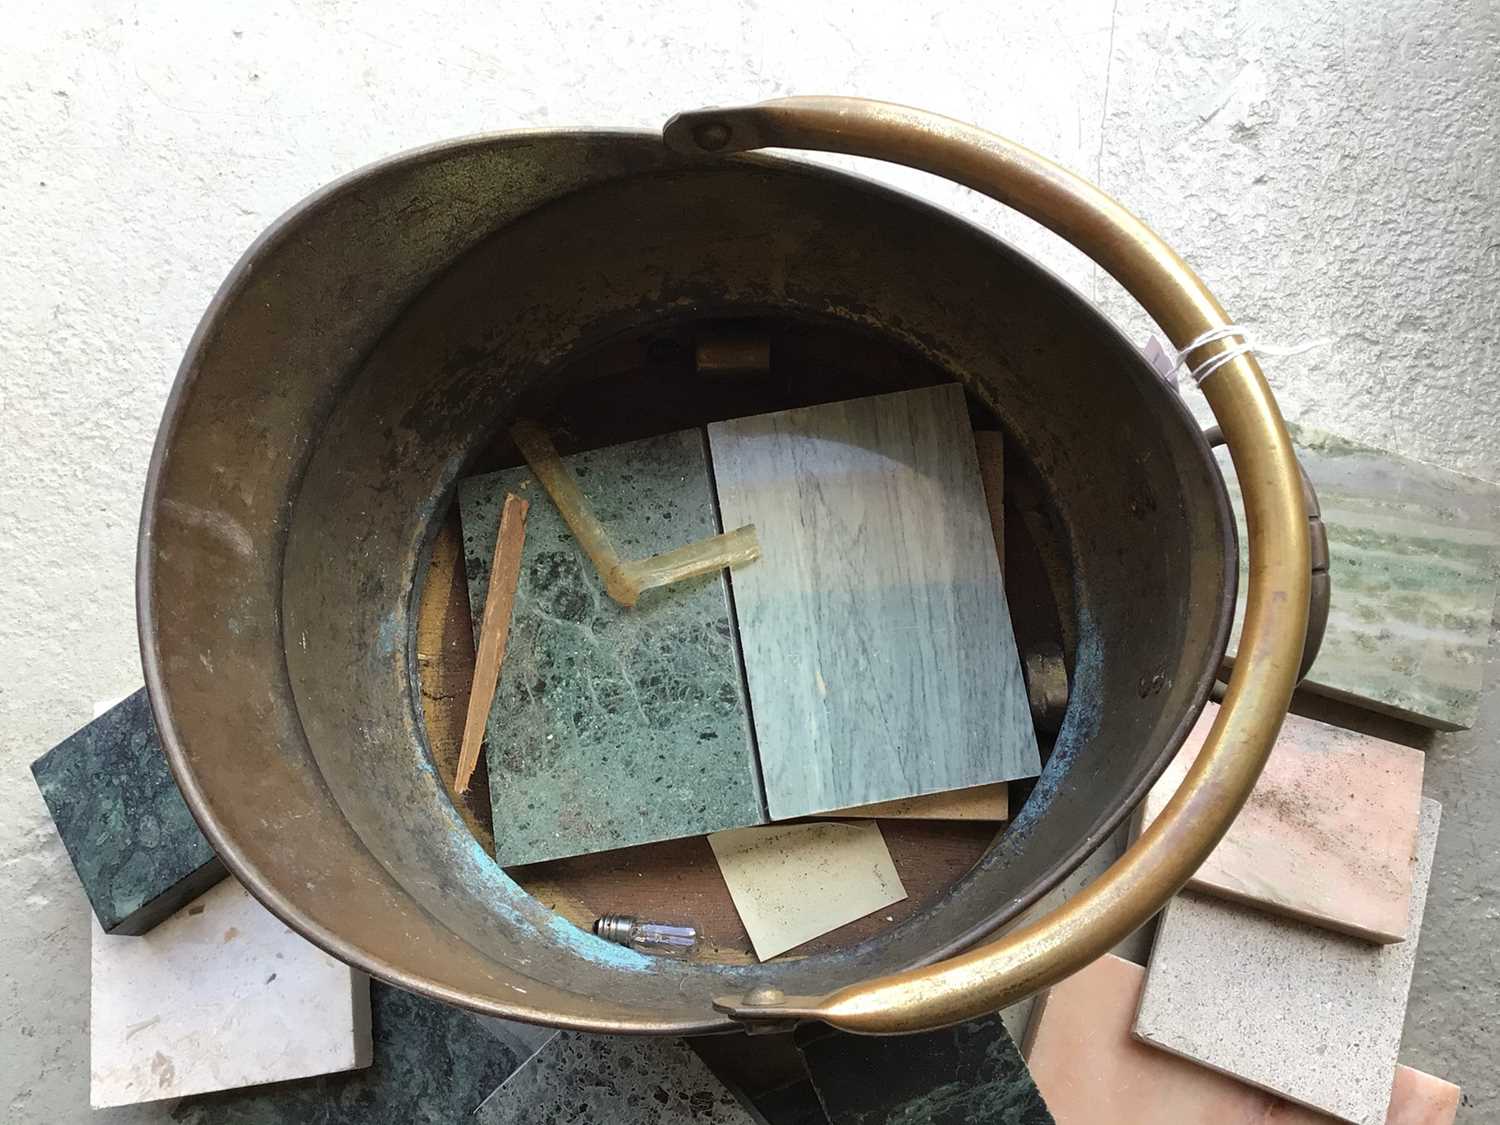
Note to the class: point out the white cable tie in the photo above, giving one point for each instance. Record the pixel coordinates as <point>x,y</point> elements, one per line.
<point>1245,347</point>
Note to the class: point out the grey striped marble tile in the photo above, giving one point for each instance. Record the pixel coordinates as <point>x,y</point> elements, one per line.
<point>875,634</point>
<point>612,726</point>
<point>1413,555</point>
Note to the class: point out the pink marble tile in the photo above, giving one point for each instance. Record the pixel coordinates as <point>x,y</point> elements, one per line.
<point>1327,836</point>
<point>1090,1069</point>
<point>1421,1099</point>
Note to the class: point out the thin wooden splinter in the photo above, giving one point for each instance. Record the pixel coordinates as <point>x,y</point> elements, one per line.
<point>990,447</point>
<point>494,633</point>
<point>625,579</point>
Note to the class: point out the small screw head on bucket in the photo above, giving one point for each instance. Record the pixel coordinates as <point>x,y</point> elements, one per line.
<point>711,136</point>
<point>764,997</point>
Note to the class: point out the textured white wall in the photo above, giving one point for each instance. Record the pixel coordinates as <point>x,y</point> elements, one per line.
<point>1330,170</point>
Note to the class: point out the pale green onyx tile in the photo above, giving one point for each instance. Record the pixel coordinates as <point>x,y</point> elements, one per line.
<point>1413,556</point>
<point>874,628</point>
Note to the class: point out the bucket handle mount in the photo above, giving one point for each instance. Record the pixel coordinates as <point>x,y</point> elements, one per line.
<point>1160,862</point>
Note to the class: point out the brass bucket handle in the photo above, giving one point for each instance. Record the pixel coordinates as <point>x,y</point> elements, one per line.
<point>1156,866</point>
<point>1321,588</point>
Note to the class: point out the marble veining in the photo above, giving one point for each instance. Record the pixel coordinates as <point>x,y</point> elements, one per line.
<point>612,726</point>
<point>1413,553</point>
<point>794,882</point>
<point>122,819</point>
<point>875,632</point>
<point>614,1079</point>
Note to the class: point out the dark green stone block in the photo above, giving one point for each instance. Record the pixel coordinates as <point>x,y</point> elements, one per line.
<point>135,846</point>
<point>612,726</point>
<point>956,1076</point>
<point>431,1065</point>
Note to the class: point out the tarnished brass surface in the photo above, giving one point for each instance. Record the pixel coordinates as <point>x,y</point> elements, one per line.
<point>1276,613</point>
<point>1321,594</point>
<point>363,356</point>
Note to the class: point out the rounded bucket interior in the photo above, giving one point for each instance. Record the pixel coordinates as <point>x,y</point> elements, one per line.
<point>369,352</point>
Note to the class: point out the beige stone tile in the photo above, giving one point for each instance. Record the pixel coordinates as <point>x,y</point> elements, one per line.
<point>1326,837</point>
<point>1421,1099</point>
<point>875,633</point>
<point>792,883</point>
<point>1416,1099</point>
<point>1089,1068</point>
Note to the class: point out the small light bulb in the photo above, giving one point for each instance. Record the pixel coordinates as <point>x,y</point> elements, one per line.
<point>647,937</point>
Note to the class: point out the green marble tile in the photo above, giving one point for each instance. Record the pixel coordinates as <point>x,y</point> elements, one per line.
<point>431,1065</point>
<point>122,819</point>
<point>612,726</point>
<point>613,1080</point>
<point>1413,555</point>
<point>960,1075</point>
<point>876,635</point>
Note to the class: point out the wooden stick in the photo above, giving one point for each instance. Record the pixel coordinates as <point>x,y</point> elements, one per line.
<point>494,632</point>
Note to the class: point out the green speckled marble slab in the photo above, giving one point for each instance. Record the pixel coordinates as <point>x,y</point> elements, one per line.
<point>122,819</point>
<point>612,726</point>
<point>432,1065</point>
<point>1413,555</point>
<point>613,1080</point>
<point>966,1074</point>
<point>876,636</point>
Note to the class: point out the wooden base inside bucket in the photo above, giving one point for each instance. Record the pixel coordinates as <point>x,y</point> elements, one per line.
<point>679,880</point>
